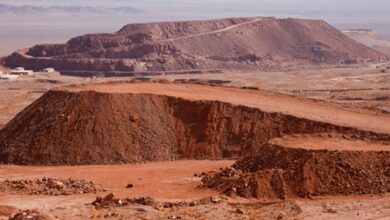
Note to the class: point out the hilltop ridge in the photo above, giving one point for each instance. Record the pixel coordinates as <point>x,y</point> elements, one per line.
<point>232,43</point>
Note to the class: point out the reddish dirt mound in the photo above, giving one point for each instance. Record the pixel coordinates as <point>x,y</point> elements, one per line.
<point>6,211</point>
<point>48,186</point>
<point>64,127</point>
<point>29,215</point>
<point>236,43</point>
<point>280,173</point>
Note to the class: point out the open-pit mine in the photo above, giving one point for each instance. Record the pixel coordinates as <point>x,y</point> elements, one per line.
<point>286,119</point>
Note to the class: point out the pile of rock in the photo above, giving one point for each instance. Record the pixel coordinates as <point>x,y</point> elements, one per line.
<point>29,215</point>
<point>49,186</point>
<point>110,201</point>
<point>225,180</point>
<point>277,172</point>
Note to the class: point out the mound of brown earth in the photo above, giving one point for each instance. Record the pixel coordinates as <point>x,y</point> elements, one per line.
<point>278,172</point>
<point>48,186</point>
<point>91,127</point>
<point>6,211</point>
<point>235,43</point>
<point>29,215</point>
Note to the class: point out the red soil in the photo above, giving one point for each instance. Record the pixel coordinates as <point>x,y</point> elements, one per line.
<point>91,127</point>
<point>278,172</point>
<point>330,142</point>
<point>6,211</point>
<point>177,181</point>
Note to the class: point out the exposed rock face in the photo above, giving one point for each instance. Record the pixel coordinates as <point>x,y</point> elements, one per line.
<point>89,127</point>
<point>236,43</point>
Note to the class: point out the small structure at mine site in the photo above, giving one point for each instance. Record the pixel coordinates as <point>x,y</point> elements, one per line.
<point>6,76</point>
<point>21,72</point>
<point>49,70</point>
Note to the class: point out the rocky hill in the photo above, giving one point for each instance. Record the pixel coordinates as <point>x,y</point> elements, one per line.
<point>369,38</point>
<point>235,43</point>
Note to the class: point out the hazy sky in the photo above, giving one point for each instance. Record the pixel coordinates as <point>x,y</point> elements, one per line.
<point>22,31</point>
<point>218,5</point>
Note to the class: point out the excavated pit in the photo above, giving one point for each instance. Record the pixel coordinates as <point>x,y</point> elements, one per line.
<point>72,127</point>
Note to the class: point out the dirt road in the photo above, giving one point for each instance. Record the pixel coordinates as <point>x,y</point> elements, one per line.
<point>214,32</point>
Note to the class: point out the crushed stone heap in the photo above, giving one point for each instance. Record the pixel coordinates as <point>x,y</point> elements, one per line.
<point>277,172</point>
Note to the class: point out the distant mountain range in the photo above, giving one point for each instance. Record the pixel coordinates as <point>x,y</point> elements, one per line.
<point>30,9</point>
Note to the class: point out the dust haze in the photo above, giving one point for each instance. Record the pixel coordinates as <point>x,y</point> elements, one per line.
<point>24,29</point>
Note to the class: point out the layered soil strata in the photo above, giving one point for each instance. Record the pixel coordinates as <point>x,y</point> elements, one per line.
<point>90,127</point>
<point>233,43</point>
<point>279,173</point>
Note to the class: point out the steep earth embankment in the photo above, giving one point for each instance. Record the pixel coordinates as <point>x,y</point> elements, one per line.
<point>90,127</point>
<point>276,172</point>
<point>235,43</point>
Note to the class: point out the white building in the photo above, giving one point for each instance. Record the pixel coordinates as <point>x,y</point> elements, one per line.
<point>21,72</point>
<point>49,70</point>
<point>8,77</point>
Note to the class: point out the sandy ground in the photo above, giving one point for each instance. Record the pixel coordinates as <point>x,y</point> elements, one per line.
<point>355,100</point>
<point>365,88</point>
<point>174,181</point>
<point>168,180</point>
